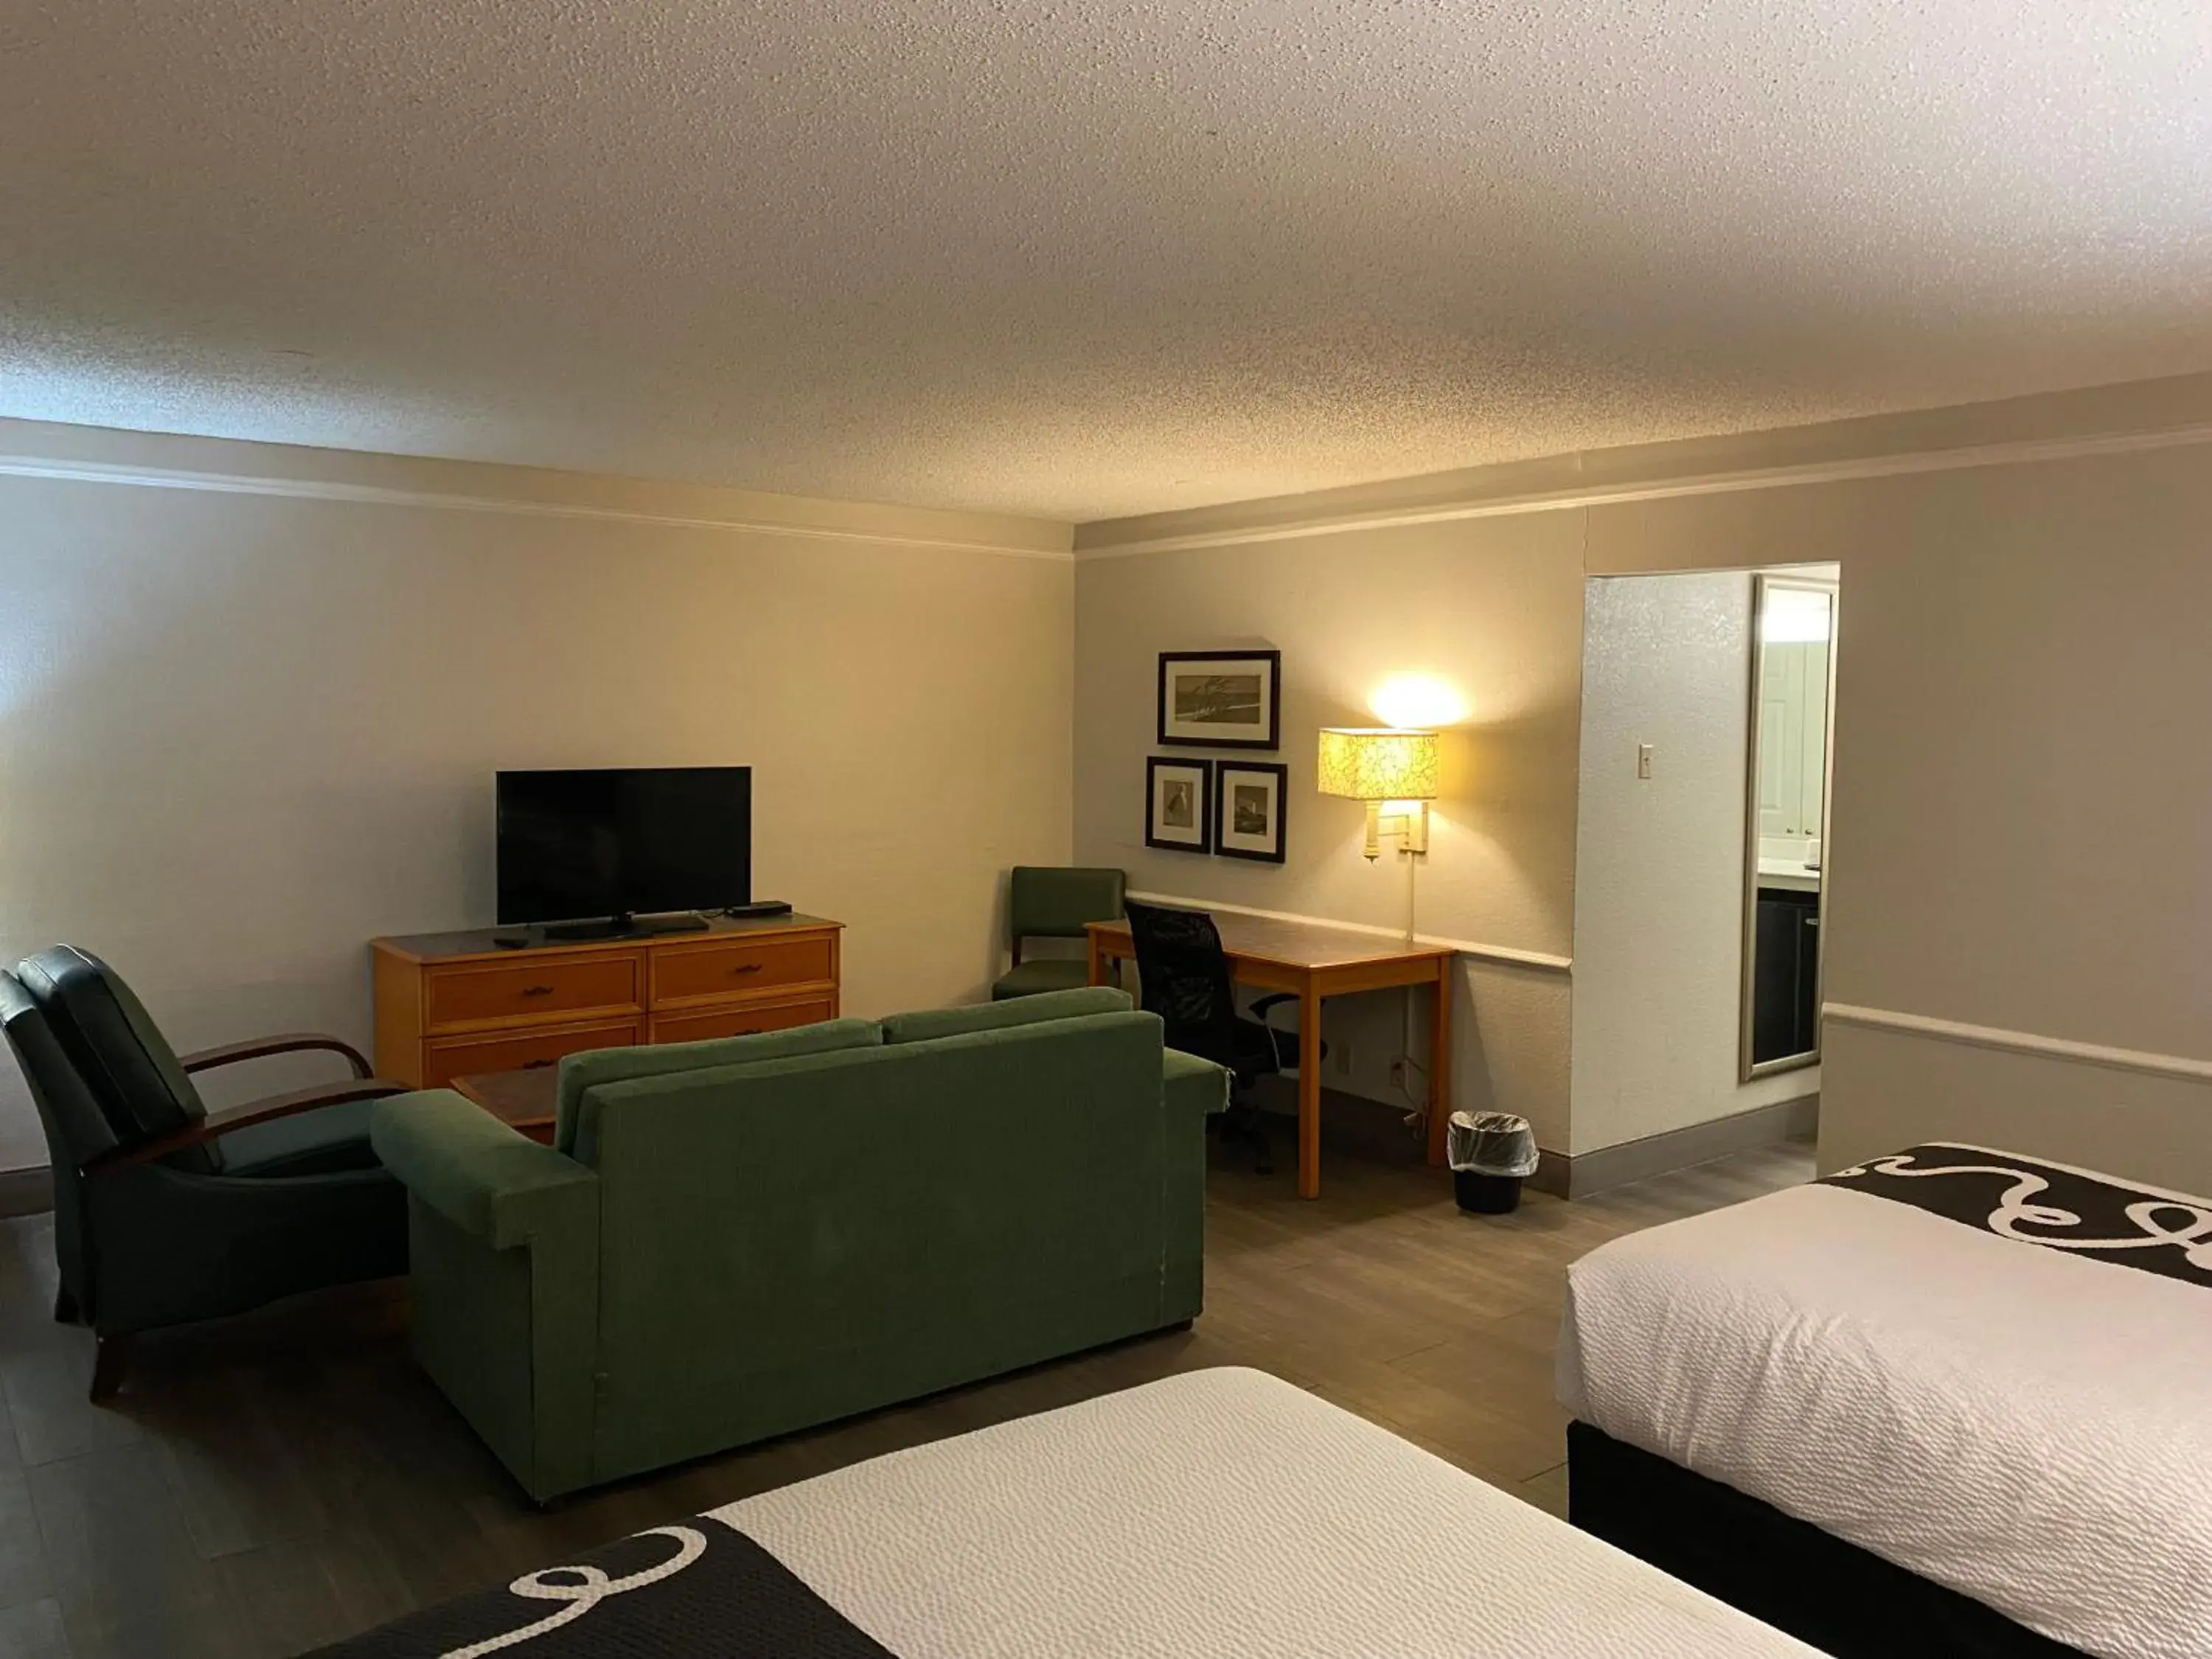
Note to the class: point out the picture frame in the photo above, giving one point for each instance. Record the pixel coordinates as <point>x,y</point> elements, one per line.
<point>1221,699</point>
<point>1250,799</point>
<point>1178,804</point>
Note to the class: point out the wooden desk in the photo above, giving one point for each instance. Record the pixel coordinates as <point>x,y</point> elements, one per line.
<point>1314,962</point>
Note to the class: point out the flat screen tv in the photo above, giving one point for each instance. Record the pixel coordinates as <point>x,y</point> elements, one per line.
<point>624,842</point>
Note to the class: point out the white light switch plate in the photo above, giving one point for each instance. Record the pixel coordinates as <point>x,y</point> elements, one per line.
<point>1642,759</point>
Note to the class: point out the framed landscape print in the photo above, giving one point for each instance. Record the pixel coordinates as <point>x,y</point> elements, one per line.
<point>1220,699</point>
<point>1178,804</point>
<point>1248,812</point>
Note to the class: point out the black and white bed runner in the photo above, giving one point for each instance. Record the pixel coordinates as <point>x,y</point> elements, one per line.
<point>701,1590</point>
<point>2062,1209</point>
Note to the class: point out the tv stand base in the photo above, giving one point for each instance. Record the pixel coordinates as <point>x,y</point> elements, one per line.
<point>606,927</point>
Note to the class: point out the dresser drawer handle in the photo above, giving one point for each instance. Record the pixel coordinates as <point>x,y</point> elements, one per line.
<point>537,990</point>
<point>746,968</point>
<point>537,1065</point>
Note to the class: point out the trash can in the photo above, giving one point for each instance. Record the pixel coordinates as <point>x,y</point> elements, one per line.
<point>1491,1154</point>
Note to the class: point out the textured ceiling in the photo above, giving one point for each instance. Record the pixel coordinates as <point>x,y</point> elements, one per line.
<point>1085,259</point>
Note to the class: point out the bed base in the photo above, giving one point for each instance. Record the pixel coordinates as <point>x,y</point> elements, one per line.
<point>1844,1600</point>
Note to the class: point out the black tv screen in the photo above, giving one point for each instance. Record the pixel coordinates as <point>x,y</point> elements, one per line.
<point>576,845</point>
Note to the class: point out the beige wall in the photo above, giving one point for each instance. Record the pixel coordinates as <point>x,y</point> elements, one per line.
<point>2020,785</point>
<point>241,733</point>
<point>1491,610</point>
<point>2021,772</point>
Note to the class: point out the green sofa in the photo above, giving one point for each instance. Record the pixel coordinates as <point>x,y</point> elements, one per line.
<point>749,1236</point>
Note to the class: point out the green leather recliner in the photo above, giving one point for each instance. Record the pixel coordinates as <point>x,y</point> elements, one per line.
<point>165,1213</point>
<point>803,1225</point>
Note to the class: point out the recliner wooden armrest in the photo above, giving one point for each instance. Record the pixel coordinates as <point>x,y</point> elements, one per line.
<point>287,1043</point>
<point>216,1124</point>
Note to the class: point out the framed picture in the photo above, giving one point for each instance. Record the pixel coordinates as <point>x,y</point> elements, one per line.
<point>1178,804</point>
<point>1220,699</point>
<point>1248,812</point>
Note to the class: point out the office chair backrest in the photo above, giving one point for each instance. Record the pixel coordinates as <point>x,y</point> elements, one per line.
<point>125,1062</point>
<point>1183,972</point>
<point>1045,902</point>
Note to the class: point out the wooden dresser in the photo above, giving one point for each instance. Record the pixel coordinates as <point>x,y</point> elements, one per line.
<point>448,1003</point>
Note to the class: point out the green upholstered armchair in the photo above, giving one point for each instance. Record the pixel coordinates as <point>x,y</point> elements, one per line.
<point>803,1225</point>
<point>165,1213</point>
<point>1043,902</point>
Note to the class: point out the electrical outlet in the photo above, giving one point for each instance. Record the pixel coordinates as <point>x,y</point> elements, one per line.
<point>1398,1072</point>
<point>1342,1049</point>
<point>1643,760</point>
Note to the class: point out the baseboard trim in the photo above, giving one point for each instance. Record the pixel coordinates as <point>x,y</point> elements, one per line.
<point>1508,955</point>
<point>1676,1149</point>
<point>2020,1042</point>
<point>27,1192</point>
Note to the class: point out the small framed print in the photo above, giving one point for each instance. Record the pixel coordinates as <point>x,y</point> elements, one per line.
<point>1247,811</point>
<point>1178,804</point>
<point>1220,699</point>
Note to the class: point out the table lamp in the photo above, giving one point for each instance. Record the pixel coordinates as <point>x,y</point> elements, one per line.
<point>1385,767</point>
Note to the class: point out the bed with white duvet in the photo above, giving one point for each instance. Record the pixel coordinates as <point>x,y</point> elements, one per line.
<point>1992,1372</point>
<point>1223,1513</point>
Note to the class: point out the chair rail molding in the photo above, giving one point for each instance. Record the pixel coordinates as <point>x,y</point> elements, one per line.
<point>2020,1042</point>
<point>1508,956</point>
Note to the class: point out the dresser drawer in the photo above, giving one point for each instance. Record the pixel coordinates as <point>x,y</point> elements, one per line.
<point>559,988</point>
<point>517,1051</point>
<point>742,1021</point>
<point>735,967</point>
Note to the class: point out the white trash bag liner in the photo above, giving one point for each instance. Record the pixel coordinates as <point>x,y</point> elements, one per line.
<point>1490,1143</point>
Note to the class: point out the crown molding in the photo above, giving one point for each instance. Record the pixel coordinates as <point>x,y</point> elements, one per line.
<point>2022,1042</point>
<point>2051,426</point>
<point>106,456</point>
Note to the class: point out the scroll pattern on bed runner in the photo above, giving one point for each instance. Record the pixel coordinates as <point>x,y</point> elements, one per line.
<point>700,1589</point>
<point>2058,1208</point>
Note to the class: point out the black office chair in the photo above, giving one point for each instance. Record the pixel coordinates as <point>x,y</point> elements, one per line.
<point>1182,974</point>
<point>164,1212</point>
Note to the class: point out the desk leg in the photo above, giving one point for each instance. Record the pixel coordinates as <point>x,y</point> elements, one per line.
<point>1440,1055</point>
<point>1309,1094</point>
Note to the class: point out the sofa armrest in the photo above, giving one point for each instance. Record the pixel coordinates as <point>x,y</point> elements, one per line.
<point>1193,1084</point>
<point>484,1176</point>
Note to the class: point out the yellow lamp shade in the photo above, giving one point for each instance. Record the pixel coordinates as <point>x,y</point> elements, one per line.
<point>1381,763</point>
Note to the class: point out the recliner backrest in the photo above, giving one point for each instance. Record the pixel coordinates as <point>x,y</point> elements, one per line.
<point>1049,902</point>
<point>77,1131</point>
<point>126,1064</point>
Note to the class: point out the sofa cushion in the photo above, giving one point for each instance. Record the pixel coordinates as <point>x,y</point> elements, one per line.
<point>597,1065</point>
<point>926,1025</point>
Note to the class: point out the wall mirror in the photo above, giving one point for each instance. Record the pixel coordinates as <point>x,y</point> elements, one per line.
<point>1793,676</point>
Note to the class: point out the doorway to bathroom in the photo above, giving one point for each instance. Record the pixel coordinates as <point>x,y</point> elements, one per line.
<point>1701,865</point>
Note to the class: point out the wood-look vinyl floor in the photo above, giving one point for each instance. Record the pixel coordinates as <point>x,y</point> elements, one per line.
<point>266,1484</point>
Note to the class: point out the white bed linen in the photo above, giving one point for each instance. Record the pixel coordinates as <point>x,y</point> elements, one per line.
<point>1220,1513</point>
<point>2028,1427</point>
